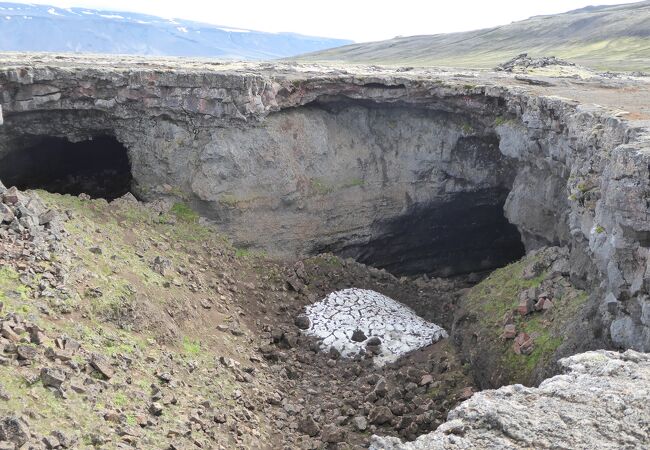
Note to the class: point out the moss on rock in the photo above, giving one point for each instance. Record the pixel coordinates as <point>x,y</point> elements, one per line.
<point>488,306</point>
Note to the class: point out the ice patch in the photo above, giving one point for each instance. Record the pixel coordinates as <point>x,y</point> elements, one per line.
<point>335,318</point>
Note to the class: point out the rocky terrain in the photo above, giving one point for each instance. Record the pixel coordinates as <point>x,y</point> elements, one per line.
<point>164,335</point>
<point>297,160</point>
<point>171,284</point>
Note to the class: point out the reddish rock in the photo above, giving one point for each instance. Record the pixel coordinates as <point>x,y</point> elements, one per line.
<point>523,344</point>
<point>380,415</point>
<point>509,331</point>
<point>8,333</point>
<point>466,393</point>
<point>426,380</point>
<point>102,365</point>
<point>543,304</point>
<point>524,307</point>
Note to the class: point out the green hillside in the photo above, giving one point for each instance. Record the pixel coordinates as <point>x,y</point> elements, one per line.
<point>601,37</point>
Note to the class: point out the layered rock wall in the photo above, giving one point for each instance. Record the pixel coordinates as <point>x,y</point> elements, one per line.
<point>298,162</point>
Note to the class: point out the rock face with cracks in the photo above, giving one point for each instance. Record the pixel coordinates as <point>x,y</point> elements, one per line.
<point>600,402</point>
<point>412,171</point>
<point>354,321</point>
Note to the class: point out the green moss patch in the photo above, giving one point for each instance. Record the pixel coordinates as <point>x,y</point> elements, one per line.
<point>498,295</point>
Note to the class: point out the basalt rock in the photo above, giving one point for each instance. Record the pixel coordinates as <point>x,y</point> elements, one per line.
<point>410,171</point>
<point>599,402</point>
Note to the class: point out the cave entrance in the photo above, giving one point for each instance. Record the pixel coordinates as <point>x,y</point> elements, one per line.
<point>465,233</point>
<point>98,166</point>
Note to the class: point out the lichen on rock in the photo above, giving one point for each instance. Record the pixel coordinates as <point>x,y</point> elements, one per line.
<point>600,402</point>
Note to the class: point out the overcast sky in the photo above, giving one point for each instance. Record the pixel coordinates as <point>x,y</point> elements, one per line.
<point>359,20</point>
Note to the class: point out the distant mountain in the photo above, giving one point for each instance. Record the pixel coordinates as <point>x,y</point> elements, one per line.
<point>27,27</point>
<point>602,37</point>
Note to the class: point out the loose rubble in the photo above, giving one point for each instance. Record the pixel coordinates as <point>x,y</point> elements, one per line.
<point>156,340</point>
<point>356,321</point>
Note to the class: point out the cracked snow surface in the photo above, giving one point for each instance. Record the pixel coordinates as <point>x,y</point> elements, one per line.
<point>367,314</point>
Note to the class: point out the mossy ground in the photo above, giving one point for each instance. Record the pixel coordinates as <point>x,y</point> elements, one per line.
<point>497,295</point>
<point>121,308</point>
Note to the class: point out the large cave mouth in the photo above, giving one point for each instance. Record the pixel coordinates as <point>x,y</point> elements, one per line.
<point>465,233</point>
<point>98,167</point>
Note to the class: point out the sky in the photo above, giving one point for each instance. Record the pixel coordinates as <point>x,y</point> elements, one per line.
<point>358,20</point>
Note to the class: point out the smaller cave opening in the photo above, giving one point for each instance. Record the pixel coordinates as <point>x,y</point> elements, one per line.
<point>99,166</point>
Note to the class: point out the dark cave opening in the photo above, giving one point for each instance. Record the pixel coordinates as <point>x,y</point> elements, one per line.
<point>98,167</point>
<point>465,233</point>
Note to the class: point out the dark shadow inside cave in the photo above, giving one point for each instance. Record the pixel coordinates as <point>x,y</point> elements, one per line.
<point>98,167</point>
<point>466,233</point>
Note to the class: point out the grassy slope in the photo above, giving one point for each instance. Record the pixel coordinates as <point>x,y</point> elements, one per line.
<point>606,38</point>
<point>125,322</point>
<point>498,294</point>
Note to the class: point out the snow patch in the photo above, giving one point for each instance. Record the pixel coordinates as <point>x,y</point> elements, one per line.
<point>233,30</point>
<point>53,12</point>
<point>335,318</point>
<point>111,16</point>
<point>182,29</point>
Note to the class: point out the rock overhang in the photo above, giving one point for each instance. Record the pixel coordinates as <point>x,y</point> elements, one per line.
<point>579,168</point>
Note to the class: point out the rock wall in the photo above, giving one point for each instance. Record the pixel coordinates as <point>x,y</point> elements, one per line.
<point>297,162</point>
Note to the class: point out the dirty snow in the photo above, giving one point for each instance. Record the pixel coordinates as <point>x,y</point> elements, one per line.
<point>335,318</point>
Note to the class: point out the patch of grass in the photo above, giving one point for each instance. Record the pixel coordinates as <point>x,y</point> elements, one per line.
<point>353,182</point>
<point>190,347</point>
<point>583,187</point>
<point>229,200</point>
<point>119,349</point>
<point>183,212</point>
<point>467,128</point>
<point>328,260</point>
<point>120,400</point>
<point>242,253</point>
<point>115,303</point>
<point>500,121</point>
<point>13,293</point>
<point>499,292</point>
<point>600,229</point>
<point>320,187</point>
<point>498,295</point>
